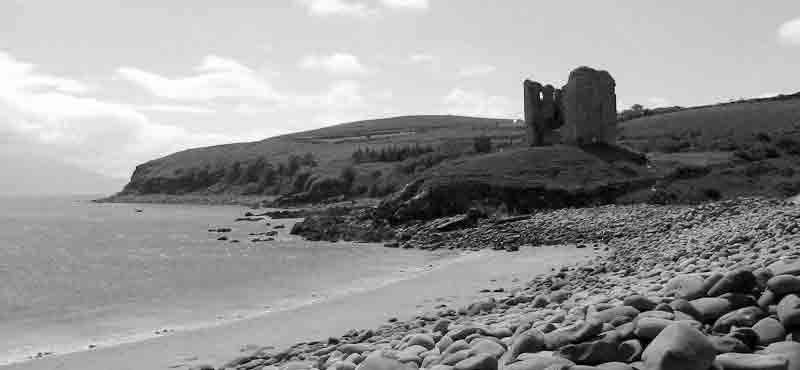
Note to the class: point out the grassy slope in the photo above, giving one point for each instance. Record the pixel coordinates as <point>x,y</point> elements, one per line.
<point>333,146</point>
<point>703,136</point>
<point>551,166</point>
<point>744,145</point>
<point>713,127</point>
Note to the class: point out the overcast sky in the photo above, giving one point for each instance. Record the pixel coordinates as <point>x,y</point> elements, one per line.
<point>108,84</point>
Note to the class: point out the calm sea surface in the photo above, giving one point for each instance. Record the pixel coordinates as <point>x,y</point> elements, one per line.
<point>74,273</point>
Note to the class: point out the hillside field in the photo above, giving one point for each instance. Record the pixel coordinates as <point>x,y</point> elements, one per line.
<point>749,147</point>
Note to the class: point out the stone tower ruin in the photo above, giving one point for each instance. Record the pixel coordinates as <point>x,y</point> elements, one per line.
<point>584,111</point>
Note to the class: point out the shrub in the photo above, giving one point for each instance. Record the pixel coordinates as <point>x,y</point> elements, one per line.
<point>688,172</point>
<point>763,137</point>
<point>392,153</point>
<point>788,189</point>
<point>789,145</point>
<point>482,144</point>
<point>757,153</point>
<point>712,193</point>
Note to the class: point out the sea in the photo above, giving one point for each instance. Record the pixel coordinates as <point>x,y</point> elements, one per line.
<point>77,275</point>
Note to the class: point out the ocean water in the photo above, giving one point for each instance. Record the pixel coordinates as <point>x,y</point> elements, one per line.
<point>75,274</point>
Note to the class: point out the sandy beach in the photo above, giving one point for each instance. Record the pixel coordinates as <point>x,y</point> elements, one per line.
<point>453,281</point>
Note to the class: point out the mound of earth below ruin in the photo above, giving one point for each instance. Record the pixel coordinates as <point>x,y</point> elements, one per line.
<point>520,181</point>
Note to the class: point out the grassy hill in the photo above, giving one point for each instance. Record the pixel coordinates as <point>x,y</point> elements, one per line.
<point>750,147</point>
<point>282,165</point>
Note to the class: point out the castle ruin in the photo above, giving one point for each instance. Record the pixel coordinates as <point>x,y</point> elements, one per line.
<point>584,111</point>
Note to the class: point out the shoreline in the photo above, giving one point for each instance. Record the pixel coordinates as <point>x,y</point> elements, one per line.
<point>228,318</point>
<point>218,343</point>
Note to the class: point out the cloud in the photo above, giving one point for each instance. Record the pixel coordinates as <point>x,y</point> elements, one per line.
<point>47,114</point>
<point>789,32</point>
<point>423,59</point>
<point>340,64</point>
<point>477,103</point>
<point>359,8</point>
<point>658,102</point>
<point>216,77</point>
<point>350,8</point>
<point>170,108</point>
<point>406,4</point>
<point>476,70</point>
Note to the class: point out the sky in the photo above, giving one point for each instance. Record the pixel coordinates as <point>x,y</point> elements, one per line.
<point>109,84</point>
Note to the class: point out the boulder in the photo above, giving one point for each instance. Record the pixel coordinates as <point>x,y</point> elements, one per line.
<point>424,340</point>
<point>529,341</point>
<point>575,333</point>
<point>789,311</point>
<point>610,314</point>
<point>789,350</point>
<point>686,286</point>
<point>747,316</point>
<point>738,281</point>
<point>593,353</point>
<point>785,267</point>
<point>649,327</point>
<point>639,302</point>
<point>728,344</point>
<point>480,361</point>
<point>487,346</point>
<point>539,362</point>
<point>631,350</point>
<point>769,331</point>
<point>380,360</point>
<point>784,284</point>
<point>710,309</point>
<point>679,347</point>
<point>751,361</point>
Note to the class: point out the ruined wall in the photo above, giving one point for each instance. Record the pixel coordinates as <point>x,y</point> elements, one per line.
<point>585,109</point>
<point>542,111</point>
<point>590,107</point>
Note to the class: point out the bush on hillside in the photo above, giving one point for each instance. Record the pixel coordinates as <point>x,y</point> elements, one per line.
<point>789,145</point>
<point>482,144</point>
<point>394,153</point>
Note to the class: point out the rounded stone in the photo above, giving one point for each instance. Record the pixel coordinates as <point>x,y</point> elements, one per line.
<point>487,346</point>
<point>380,360</point>
<point>710,309</point>
<point>679,346</point>
<point>479,361</point>
<point>529,341</point>
<point>789,350</point>
<point>738,281</point>
<point>746,316</point>
<point>539,362</point>
<point>424,340</point>
<point>785,267</point>
<point>751,361</point>
<point>649,327</point>
<point>769,331</point>
<point>639,302</point>
<point>789,311</point>
<point>615,312</point>
<point>784,284</point>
